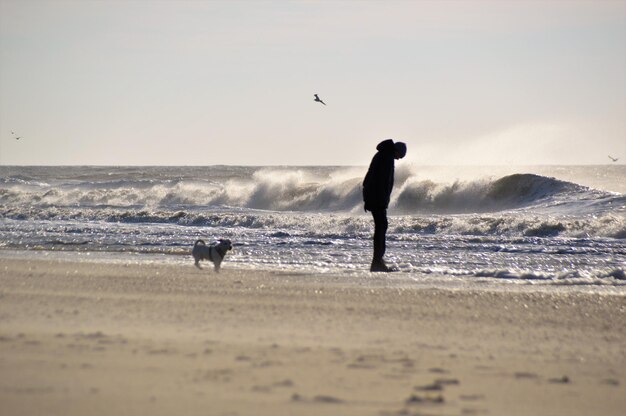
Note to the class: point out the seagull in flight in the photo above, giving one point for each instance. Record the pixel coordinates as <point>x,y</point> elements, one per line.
<point>16,137</point>
<point>318,99</point>
<point>614,159</point>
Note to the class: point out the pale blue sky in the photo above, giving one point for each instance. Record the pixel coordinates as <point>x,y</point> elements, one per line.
<point>198,82</point>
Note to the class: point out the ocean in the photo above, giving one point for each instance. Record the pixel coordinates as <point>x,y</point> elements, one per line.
<point>540,226</point>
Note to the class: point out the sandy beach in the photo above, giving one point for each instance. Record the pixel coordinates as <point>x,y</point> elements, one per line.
<point>93,338</point>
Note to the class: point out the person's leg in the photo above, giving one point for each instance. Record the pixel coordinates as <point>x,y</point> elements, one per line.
<point>380,234</point>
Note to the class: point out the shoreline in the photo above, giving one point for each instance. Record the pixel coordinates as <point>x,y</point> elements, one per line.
<point>351,277</point>
<point>103,338</point>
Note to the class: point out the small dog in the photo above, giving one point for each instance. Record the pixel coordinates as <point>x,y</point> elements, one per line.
<point>214,252</point>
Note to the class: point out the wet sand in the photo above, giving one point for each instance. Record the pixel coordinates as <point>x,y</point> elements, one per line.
<point>81,338</point>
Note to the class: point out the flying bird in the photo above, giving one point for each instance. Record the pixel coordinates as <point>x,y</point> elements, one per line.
<point>318,99</point>
<point>614,159</point>
<point>16,137</point>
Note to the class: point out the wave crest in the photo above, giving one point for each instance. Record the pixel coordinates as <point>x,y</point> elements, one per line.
<point>484,195</point>
<point>289,189</point>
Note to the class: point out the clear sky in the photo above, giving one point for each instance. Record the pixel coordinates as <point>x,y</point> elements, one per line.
<point>232,82</point>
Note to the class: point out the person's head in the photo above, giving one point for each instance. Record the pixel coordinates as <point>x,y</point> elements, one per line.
<point>399,150</point>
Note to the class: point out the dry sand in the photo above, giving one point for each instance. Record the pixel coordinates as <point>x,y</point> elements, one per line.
<point>81,338</point>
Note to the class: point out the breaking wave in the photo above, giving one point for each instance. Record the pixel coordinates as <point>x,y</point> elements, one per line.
<point>292,189</point>
<point>324,199</point>
<point>510,192</point>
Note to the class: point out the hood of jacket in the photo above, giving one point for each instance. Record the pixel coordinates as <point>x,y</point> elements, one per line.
<point>385,146</point>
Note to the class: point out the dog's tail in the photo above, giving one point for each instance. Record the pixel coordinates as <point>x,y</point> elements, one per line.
<point>200,242</point>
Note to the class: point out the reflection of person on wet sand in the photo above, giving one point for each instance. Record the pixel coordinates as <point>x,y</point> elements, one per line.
<point>377,187</point>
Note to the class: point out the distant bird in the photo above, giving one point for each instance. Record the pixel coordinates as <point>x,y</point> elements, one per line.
<point>16,137</point>
<point>614,159</point>
<point>318,99</point>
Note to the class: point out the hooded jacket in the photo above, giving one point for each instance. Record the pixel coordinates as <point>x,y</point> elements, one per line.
<point>378,181</point>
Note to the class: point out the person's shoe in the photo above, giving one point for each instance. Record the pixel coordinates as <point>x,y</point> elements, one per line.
<point>380,266</point>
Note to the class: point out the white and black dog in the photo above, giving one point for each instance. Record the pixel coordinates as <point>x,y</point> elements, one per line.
<point>214,252</point>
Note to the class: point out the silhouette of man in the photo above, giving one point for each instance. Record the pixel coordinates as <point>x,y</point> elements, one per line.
<point>377,187</point>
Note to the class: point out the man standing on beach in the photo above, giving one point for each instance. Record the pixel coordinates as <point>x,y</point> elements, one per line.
<point>377,187</point>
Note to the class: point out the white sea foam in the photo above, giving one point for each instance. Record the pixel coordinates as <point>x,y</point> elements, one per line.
<point>293,189</point>
<point>514,226</point>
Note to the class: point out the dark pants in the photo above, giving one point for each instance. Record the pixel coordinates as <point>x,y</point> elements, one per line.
<point>380,232</point>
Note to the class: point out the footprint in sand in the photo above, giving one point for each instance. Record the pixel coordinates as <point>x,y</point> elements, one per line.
<point>327,399</point>
<point>447,381</point>
<point>610,382</point>
<point>472,397</point>
<point>415,399</point>
<point>438,384</point>
<point>317,399</point>
<point>429,387</point>
<point>560,380</point>
<point>523,374</point>
<point>284,383</point>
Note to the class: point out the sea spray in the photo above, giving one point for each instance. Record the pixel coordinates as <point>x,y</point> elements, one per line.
<point>527,226</point>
